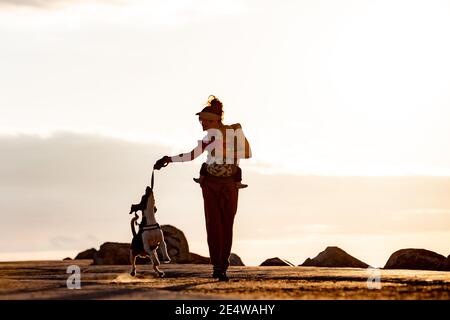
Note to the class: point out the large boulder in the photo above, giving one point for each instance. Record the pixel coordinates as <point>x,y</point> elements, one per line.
<point>119,253</point>
<point>446,265</point>
<point>276,262</point>
<point>113,253</point>
<point>87,254</point>
<point>234,259</point>
<point>334,257</point>
<point>198,259</point>
<point>416,259</point>
<point>177,245</point>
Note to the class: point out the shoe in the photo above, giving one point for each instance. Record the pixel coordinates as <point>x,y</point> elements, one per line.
<point>241,185</point>
<point>223,277</point>
<point>199,180</point>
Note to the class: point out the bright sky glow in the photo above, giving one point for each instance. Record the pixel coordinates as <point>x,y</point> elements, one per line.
<point>321,87</point>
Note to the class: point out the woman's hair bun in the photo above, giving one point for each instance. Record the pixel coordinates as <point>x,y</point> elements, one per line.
<point>216,105</point>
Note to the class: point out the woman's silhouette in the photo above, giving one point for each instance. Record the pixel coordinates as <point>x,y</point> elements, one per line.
<point>219,179</point>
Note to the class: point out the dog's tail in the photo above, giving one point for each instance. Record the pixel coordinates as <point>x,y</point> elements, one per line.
<point>133,222</point>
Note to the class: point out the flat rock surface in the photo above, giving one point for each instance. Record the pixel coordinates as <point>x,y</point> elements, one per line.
<point>47,280</point>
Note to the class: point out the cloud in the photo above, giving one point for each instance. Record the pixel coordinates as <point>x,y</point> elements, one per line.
<point>115,14</point>
<point>69,185</point>
<point>31,3</point>
<point>51,3</point>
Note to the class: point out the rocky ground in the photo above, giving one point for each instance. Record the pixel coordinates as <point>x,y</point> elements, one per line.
<point>47,280</point>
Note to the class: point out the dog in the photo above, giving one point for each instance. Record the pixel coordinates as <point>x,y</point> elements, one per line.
<point>149,237</point>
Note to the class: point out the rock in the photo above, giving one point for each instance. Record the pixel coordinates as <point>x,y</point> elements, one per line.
<point>276,262</point>
<point>198,259</point>
<point>235,260</point>
<point>177,245</point>
<point>113,253</point>
<point>334,257</point>
<point>67,259</point>
<point>87,254</point>
<point>416,259</point>
<point>446,265</point>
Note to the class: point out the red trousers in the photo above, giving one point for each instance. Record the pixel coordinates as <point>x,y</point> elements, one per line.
<point>220,198</point>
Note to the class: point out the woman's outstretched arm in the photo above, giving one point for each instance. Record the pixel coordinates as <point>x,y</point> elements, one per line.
<point>188,156</point>
<point>182,157</point>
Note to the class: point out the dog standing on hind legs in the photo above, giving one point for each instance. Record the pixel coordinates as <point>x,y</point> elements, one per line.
<point>149,237</point>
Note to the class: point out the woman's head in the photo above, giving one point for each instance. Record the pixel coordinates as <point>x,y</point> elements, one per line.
<point>215,105</point>
<point>211,116</point>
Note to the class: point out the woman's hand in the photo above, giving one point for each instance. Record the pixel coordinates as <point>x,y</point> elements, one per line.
<point>163,162</point>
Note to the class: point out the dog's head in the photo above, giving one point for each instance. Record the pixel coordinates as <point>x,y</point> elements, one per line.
<point>147,200</point>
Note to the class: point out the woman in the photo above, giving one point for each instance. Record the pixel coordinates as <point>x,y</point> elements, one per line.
<point>219,180</point>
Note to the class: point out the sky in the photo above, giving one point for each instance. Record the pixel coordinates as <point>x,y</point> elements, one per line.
<point>345,104</point>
